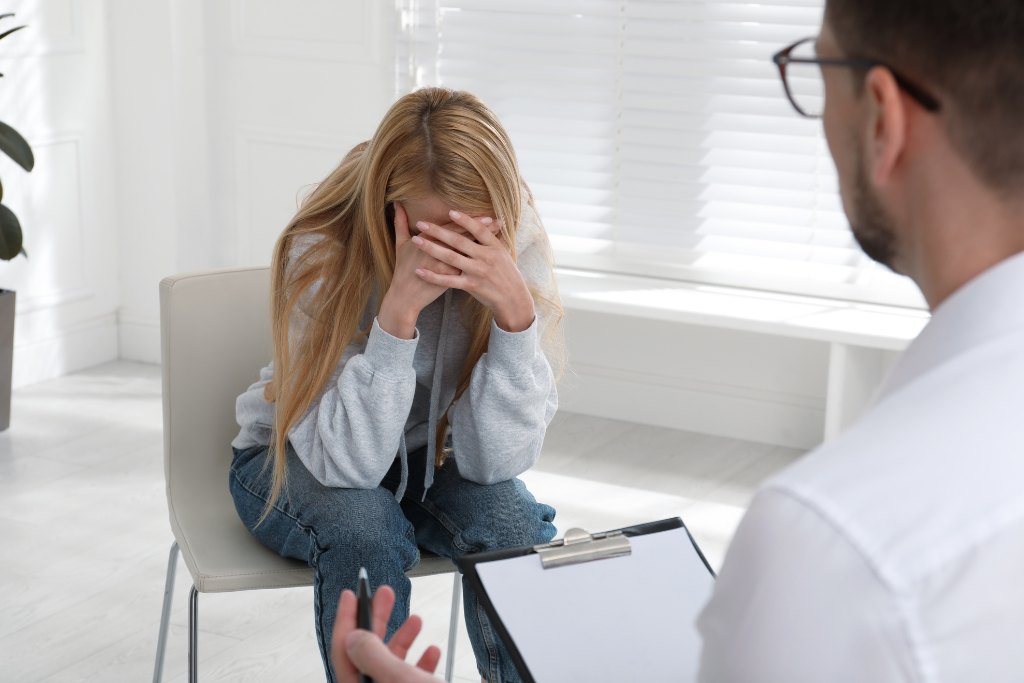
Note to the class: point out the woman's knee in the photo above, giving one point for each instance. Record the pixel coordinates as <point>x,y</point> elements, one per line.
<point>361,521</point>
<point>364,520</point>
<point>509,517</point>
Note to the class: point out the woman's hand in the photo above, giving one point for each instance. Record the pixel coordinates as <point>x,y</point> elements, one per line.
<point>486,269</point>
<point>408,294</point>
<point>353,650</point>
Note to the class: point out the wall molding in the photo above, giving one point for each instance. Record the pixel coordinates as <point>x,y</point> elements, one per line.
<point>708,408</point>
<point>246,135</point>
<point>367,51</point>
<point>69,349</point>
<point>39,45</point>
<point>701,387</point>
<point>138,337</point>
<point>30,303</point>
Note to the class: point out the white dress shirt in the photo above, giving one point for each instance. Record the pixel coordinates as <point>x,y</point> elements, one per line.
<point>895,552</point>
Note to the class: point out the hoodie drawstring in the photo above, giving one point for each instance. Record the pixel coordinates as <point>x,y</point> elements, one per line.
<point>435,394</point>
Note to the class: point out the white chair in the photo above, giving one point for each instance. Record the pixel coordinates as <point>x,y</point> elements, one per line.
<point>215,337</point>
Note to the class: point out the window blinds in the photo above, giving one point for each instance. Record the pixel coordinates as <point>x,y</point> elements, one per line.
<point>656,137</point>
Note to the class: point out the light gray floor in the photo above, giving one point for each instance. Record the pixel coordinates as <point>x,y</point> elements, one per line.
<point>84,533</point>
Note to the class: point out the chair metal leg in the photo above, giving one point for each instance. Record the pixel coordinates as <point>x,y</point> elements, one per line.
<point>165,615</point>
<point>453,628</point>
<point>193,635</point>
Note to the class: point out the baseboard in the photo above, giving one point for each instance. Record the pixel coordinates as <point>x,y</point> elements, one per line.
<point>703,407</point>
<point>70,349</point>
<point>138,338</point>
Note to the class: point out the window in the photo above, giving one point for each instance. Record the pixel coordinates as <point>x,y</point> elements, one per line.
<point>656,137</point>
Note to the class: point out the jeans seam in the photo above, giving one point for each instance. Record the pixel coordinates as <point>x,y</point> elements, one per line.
<point>325,647</point>
<point>447,524</point>
<point>492,654</point>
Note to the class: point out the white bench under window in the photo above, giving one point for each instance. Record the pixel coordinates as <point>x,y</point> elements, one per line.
<point>863,339</point>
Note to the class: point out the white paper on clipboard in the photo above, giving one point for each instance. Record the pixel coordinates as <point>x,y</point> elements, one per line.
<point>621,619</point>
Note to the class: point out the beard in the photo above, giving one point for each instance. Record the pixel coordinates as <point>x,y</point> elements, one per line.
<point>872,226</point>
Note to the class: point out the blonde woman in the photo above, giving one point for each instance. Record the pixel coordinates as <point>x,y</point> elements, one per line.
<point>415,322</point>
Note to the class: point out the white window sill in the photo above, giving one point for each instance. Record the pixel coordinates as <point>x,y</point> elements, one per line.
<point>871,326</point>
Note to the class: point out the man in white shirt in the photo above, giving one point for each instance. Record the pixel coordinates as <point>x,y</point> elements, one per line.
<point>895,552</point>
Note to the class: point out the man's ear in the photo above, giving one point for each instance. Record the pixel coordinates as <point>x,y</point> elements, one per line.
<point>887,135</point>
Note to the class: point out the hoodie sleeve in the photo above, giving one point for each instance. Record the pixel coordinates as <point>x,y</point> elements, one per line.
<point>349,437</point>
<point>498,424</point>
<point>350,433</point>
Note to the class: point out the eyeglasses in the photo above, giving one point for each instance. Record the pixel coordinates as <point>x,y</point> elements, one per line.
<point>800,70</point>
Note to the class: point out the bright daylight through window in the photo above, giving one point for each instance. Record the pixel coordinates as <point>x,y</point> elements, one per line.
<point>656,136</point>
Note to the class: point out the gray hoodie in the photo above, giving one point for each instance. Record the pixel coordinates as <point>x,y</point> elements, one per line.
<point>387,395</point>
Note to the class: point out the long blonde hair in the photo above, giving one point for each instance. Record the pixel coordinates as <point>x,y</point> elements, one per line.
<point>339,249</point>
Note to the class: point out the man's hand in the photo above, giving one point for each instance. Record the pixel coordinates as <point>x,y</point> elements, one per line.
<point>354,650</point>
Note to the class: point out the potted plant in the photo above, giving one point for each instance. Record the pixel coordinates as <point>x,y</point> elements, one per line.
<point>14,146</point>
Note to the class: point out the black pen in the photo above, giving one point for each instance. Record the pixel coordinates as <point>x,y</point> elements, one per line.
<point>365,620</point>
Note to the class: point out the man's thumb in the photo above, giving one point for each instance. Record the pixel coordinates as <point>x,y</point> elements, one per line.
<point>368,654</point>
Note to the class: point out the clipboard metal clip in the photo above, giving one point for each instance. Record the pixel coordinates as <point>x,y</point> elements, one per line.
<point>579,546</point>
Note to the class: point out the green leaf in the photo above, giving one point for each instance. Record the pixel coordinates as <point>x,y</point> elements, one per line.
<point>15,146</point>
<point>4,16</point>
<point>10,234</point>
<point>10,31</point>
<point>23,252</point>
<point>1,192</point>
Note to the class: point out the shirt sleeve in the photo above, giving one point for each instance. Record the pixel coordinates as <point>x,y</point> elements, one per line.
<point>349,437</point>
<point>498,424</point>
<point>797,602</point>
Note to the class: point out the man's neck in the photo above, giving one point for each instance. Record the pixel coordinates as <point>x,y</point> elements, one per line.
<point>961,228</point>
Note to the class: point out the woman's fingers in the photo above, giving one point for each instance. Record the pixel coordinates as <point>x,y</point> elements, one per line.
<point>401,225</point>
<point>459,242</point>
<point>440,267</point>
<point>450,281</point>
<point>495,227</point>
<point>488,222</point>
<point>404,636</point>
<point>491,224</point>
<point>441,252</point>
<point>428,662</point>
<point>481,233</point>
<point>383,601</point>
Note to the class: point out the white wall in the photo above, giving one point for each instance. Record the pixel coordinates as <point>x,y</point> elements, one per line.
<point>175,135</point>
<point>225,111</point>
<point>170,135</point>
<point>55,91</point>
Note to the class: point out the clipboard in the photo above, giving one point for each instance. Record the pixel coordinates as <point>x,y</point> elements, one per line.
<point>571,610</point>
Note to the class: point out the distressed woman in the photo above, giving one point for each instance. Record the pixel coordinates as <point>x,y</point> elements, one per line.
<point>415,322</point>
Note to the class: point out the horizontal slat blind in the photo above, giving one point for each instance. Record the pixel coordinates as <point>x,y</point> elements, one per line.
<point>656,137</point>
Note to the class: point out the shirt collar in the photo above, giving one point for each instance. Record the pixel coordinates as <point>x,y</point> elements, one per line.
<point>989,306</point>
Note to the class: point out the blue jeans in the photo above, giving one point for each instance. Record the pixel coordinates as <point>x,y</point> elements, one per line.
<point>337,531</point>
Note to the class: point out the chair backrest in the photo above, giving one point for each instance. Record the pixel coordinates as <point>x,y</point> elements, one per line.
<point>215,337</point>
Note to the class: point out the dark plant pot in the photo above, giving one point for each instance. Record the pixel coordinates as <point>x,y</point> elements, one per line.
<point>6,355</point>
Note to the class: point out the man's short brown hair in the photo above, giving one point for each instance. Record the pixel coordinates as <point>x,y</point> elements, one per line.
<point>967,53</point>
